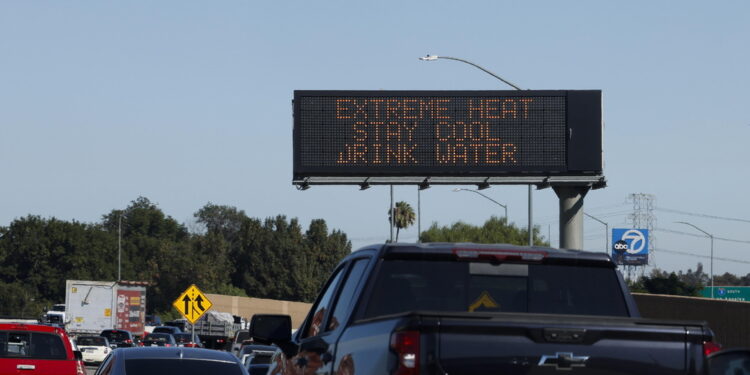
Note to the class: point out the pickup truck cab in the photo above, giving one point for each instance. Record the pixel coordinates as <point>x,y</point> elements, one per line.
<point>461,308</point>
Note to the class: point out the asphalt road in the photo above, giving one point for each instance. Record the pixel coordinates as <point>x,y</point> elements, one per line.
<point>90,370</point>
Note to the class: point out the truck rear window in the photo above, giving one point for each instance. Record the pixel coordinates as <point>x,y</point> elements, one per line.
<point>451,286</point>
<point>91,341</point>
<point>31,345</point>
<point>115,336</point>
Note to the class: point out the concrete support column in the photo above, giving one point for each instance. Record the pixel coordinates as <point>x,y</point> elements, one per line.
<point>571,215</point>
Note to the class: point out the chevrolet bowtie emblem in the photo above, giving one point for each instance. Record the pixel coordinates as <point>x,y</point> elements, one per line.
<point>563,361</point>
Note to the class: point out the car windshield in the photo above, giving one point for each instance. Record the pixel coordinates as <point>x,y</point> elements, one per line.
<point>483,287</point>
<point>243,335</point>
<point>161,366</point>
<point>91,341</point>
<point>165,329</point>
<point>116,335</point>
<point>184,337</point>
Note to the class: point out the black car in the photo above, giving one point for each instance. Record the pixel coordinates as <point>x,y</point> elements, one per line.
<point>182,361</point>
<point>119,338</point>
<point>159,339</point>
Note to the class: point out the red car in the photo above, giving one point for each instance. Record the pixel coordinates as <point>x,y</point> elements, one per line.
<point>37,350</point>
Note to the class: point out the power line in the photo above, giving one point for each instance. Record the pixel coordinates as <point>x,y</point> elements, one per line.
<point>702,256</point>
<point>699,235</point>
<point>545,220</point>
<point>607,207</point>
<point>670,210</point>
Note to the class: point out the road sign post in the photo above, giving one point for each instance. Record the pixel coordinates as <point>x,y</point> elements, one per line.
<point>192,304</point>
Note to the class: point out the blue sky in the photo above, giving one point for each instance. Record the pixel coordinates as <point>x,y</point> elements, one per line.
<point>185,103</point>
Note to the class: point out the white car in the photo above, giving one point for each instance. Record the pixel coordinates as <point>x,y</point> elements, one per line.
<point>93,348</point>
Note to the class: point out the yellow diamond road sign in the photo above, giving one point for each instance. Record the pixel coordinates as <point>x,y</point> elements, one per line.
<point>192,304</point>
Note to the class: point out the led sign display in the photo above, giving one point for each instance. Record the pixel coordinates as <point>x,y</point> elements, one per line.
<point>446,133</point>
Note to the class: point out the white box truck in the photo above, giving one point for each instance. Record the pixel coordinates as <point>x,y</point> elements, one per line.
<point>93,306</point>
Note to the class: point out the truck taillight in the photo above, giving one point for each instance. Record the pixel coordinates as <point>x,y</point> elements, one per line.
<point>710,347</point>
<point>406,346</point>
<point>128,341</point>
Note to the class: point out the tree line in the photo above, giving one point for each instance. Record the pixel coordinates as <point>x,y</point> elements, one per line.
<point>688,283</point>
<point>227,252</point>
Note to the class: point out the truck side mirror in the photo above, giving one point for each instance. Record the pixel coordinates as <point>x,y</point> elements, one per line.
<point>78,355</point>
<point>271,328</point>
<point>729,362</point>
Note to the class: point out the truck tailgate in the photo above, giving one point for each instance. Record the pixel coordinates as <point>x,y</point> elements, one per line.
<point>546,344</point>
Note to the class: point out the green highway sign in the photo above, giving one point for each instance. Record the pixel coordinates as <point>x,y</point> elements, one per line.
<point>731,293</point>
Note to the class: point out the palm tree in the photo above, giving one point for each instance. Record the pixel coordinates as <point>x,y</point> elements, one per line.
<point>404,216</point>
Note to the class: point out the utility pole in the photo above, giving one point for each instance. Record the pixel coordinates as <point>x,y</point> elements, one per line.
<point>119,247</point>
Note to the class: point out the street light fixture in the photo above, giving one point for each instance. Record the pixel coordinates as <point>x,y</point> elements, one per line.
<point>712,252</point>
<point>433,58</point>
<point>494,201</point>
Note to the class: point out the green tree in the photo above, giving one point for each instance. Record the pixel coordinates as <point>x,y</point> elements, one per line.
<point>494,230</point>
<point>19,300</point>
<point>661,282</point>
<point>224,220</point>
<point>42,253</point>
<point>278,261</point>
<point>234,255</point>
<point>323,251</point>
<point>155,248</point>
<point>402,216</point>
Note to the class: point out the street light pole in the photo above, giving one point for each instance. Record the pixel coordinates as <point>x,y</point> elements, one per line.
<point>119,247</point>
<point>433,58</point>
<point>493,201</point>
<point>712,252</point>
<point>606,232</point>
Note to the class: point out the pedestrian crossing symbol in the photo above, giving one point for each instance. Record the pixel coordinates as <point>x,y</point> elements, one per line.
<point>192,304</point>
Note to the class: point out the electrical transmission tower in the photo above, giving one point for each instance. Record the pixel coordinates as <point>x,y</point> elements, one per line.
<point>643,218</point>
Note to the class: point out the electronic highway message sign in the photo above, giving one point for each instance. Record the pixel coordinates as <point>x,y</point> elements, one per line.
<point>447,133</point>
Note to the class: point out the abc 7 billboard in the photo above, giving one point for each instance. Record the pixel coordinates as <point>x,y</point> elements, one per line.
<point>630,246</point>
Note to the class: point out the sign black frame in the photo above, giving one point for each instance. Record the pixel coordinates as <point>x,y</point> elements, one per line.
<point>584,146</point>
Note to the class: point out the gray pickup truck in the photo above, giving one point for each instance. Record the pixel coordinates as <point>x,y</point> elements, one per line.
<point>461,308</point>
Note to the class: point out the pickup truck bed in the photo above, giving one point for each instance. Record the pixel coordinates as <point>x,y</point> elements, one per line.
<point>512,343</point>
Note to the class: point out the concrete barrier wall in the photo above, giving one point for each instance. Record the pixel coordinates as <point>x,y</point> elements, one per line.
<point>246,307</point>
<point>730,320</point>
